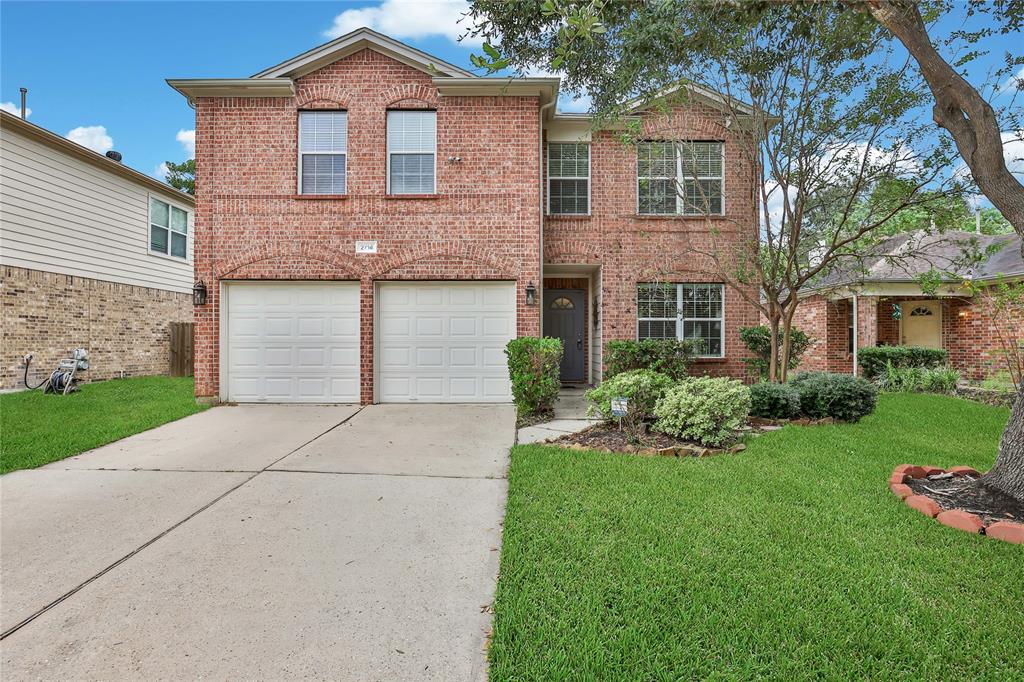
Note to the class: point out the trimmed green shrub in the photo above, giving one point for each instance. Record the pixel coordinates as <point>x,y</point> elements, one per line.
<point>839,396</point>
<point>873,360</point>
<point>759,341</point>
<point>708,410</point>
<point>641,387</point>
<point>533,366</point>
<point>774,401</point>
<point>667,356</point>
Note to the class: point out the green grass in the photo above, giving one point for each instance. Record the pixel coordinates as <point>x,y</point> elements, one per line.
<point>790,561</point>
<point>36,429</point>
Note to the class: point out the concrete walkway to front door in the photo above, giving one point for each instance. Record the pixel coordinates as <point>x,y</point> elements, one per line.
<point>570,417</point>
<point>270,541</point>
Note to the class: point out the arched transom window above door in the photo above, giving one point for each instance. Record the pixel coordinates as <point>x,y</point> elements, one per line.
<point>561,303</point>
<point>921,311</point>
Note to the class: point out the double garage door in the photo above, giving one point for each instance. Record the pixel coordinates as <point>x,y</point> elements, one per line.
<point>300,341</point>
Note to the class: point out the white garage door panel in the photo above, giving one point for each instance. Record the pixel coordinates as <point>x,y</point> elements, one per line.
<point>293,342</point>
<point>444,341</point>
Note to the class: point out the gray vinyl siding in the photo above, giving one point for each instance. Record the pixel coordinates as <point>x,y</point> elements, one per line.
<point>61,214</point>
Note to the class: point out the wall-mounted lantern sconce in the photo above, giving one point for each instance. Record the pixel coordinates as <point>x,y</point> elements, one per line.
<point>531,294</point>
<point>199,293</point>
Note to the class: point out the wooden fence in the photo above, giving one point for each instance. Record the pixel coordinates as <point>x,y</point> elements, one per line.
<point>182,349</point>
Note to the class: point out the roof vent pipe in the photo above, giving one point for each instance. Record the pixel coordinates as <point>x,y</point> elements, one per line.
<point>115,156</point>
<point>24,95</point>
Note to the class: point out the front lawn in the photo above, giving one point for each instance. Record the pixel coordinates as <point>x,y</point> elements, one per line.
<point>36,429</point>
<point>789,561</point>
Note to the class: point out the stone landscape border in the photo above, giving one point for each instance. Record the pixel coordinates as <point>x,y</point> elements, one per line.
<point>1008,531</point>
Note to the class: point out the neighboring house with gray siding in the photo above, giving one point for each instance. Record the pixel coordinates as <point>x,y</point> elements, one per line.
<point>93,254</point>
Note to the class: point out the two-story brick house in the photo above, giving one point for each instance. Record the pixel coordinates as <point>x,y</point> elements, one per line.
<point>374,224</point>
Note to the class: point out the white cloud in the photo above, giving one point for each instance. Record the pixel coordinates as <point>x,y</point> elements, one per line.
<point>187,138</point>
<point>1013,83</point>
<point>160,172</point>
<point>406,20</point>
<point>566,102</point>
<point>12,108</point>
<point>93,137</point>
<point>1013,151</point>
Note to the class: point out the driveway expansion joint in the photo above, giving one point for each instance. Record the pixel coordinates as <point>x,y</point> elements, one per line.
<point>31,617</point>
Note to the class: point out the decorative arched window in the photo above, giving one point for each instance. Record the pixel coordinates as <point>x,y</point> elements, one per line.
<point>561,303</point>
<point>921,311</point>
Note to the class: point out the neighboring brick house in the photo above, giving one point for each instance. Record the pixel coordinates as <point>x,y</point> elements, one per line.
<point>93,254</point>
<point>373,224</point>
<point>884,304</point>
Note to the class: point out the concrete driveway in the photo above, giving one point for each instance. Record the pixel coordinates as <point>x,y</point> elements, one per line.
<point>261,542</point>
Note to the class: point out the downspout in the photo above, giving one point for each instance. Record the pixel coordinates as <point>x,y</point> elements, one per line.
<point>540,206</point>
<point>855,325</point>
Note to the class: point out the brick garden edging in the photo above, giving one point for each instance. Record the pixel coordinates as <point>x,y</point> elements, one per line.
<point>1008,531</point>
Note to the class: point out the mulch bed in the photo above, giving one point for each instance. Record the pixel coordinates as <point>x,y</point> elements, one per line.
<point>536,418</point>
<point>608,438</point>
<point>957,499</point>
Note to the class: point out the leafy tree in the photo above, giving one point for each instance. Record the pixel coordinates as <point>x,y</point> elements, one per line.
<point>974,125</point>
<point>811,96</point>
<point>182,176</point>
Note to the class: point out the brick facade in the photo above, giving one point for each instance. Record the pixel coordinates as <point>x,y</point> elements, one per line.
<point>971,331</point>
<point>632,248</point>
<point>483,223</point>
<point>125,328</point>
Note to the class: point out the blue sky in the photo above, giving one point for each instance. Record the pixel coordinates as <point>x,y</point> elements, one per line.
<point>93,65</point>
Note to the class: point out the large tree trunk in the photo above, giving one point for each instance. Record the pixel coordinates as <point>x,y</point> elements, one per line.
<point>1008,473</point>
<point>962,111</point>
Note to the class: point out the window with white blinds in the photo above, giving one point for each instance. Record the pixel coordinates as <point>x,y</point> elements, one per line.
<point>412,148</point>
<point>323,151</point>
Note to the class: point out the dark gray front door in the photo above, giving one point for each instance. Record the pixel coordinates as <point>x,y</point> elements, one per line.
<point>563,319</point>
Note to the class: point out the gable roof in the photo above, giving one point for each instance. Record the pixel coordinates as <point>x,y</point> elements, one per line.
<point>352,42</point>
<point>903,258</point>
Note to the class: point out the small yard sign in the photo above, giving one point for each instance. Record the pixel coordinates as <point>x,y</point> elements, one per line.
<point>620,406</point>
<point>366,247</point>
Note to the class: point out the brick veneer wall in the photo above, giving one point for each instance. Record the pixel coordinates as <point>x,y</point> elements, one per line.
<point>632,248</point>
<point>971,331</point>
<point>125,328</point>
<point>483,223</point>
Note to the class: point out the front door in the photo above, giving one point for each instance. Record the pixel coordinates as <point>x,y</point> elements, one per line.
<point>922,323</point>
<point>563,319</point>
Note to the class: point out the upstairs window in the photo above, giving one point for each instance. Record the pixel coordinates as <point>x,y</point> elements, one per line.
<point>323,151</point>
<point>568,178</point>
<point>412,150</point>
<point>680,178</point>
<point>168,229</point>
<point>683,311</point>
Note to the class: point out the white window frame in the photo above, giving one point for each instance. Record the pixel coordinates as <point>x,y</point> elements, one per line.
<point>298,179</point>
<point>388,153</point>
<point>150,198</point>
<point>590,168</point>
<point>679,318</point>
<point>680,201</point>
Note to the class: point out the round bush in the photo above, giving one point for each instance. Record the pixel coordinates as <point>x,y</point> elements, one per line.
<point>641,387</point>
<point>774,401</point>
<point>839,396</point>
<point>707,410</point>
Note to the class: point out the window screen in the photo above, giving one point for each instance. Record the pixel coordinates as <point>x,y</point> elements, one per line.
<point>412,147</point>
<point>568,178</point>
<point>323,151</point>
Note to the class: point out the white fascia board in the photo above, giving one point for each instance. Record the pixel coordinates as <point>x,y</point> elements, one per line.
<point>352,42</point>
<point>545,88</point>
<point>193,88</point>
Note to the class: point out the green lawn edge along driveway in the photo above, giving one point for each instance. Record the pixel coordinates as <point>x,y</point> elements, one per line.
<point>36,429</point>
<point>789,561</point>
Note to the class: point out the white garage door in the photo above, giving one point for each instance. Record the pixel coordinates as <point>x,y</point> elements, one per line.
<point>295,342</point>
<point>444,342</point>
